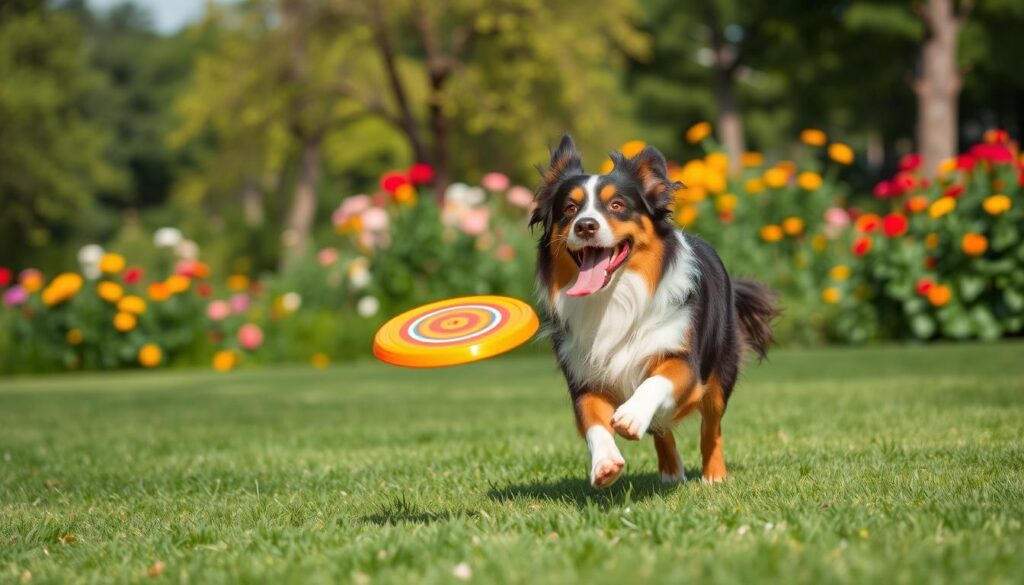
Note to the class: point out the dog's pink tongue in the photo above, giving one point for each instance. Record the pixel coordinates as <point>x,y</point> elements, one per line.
<point>593,266</point>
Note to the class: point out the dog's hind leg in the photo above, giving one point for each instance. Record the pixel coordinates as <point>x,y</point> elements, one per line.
<point>670,466</point>
<point>593,418</point>
<point>712,407</point>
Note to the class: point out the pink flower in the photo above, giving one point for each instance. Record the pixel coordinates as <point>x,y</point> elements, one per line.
<point>520,197</point>
<point>375,219</point>
<point>495,181</point>
<point>250,336</point>
<point>327,256</point>
<point>15,296</point>
<point>239,303</point>
<point>505,253</point>
<point>836,220</point>
<point>218,310</point>
<point>349,208</point>
<point>474,222</point>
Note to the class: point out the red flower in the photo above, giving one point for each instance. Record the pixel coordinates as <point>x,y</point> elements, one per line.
<point>954,191</point>
<point>996,136</point>
<point>133,275</point>
<point>204,289</point>
<point>862,246</point>
<point>420,173</point>
<point>895,225</point>
<point>726,216</point>
<point>883,190</point>
<point>910,162</point>
<point>994,153</point>
<point>965,162</point>
<point>924,285</point>
<point>392,180</point>
<point>854,213</point>
<point>925,183</point>
<point>5,276</point>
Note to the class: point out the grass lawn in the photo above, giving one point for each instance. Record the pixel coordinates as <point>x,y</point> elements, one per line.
<point>895,465</point>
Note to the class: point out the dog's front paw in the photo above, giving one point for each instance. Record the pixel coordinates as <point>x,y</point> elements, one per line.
<point>630,422</point>
<point>606,471</point>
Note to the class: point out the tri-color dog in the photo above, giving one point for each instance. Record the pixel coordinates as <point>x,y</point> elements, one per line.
<point>647,324</point>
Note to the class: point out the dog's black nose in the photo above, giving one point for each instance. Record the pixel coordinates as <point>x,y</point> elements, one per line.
<point>586,227</point>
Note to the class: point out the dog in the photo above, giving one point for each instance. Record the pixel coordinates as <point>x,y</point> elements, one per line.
<point>646,323</point>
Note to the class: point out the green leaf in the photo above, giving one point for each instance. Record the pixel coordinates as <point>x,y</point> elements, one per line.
<point>971,287</point>
<point>923,326</point>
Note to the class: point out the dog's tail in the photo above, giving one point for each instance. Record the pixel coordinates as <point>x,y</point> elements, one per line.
<point>756,306</point>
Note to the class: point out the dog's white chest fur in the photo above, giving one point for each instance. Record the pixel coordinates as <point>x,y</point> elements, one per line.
<point>610,336</point>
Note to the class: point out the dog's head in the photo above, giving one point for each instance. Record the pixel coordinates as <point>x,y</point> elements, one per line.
<point>594,225</point>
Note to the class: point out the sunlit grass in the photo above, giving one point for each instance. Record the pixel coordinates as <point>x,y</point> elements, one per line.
<point>880,465</point>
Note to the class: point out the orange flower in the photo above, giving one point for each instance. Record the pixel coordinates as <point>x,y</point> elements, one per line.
<point>159,292</point>
<point>61,288</point>
<point>917,204</point>
<point>931,241</point>
<point>997,204</point>
<point>862,246</point>
<point>177,283</point>
<point>73,336</point>
<point>717,160</point>
<point>793,226</point>
<point>809,181</point>
<point>840,272</point>
<point>109,291</point>
<point>771,233</point>
<point>686,215</point>
<point>776,177</point>
<point>942,206</point>
<point>813,137</point>
<point>632,148</point>
<point>753,186</point>
<point>111,263</point>
<point>150,355</point>
<point>725,203</point>
<point>224,360</point>
<point>752,159</point>
<point>125,322</point>
<point>238,282</point>
<point>868,222</point>
<point>607,166</point>
<point>974,244</point>
<point>939,295</point>
<point>831,295</point>
<point>31,280</point>
<point>132,304</point>
<point>840,153</point>
<point>946,166</point>
<point>698,132</point>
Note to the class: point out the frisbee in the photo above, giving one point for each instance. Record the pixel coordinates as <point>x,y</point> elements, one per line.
<point>455,331</point>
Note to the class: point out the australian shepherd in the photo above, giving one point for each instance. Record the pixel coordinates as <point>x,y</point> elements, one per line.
<point>646,323</point>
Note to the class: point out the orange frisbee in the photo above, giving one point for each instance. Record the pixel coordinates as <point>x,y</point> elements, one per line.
<point>455,331</point>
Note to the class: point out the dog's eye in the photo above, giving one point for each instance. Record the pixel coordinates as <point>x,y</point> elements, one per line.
<point>571,209</point>
<point>616,205</point>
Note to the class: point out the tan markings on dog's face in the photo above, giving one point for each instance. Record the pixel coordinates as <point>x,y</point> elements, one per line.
<point>647,256</point>
<point>564,269</point>
<point>607,193</point>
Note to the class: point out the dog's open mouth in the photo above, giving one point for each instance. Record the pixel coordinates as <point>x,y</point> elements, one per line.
<point>596,267</point>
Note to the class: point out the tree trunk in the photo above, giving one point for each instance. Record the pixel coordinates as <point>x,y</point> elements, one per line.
<point>439,128</point>
<point>252,204</point>
<point>938,87</point>
<point>730,121</point>
<point>304,203</point>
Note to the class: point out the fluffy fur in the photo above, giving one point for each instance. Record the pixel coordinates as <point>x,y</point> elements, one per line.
<point>647,324</point>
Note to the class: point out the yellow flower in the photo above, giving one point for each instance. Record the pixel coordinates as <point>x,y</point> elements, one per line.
<point>809,181</point>
<point>718,161</point>
<point>632,148</point>
<point>752,159</point>
<point>686,215</point>
<point>776,177</point>
<point>405,194</point>
<point>111,263</point>
<point>224,360</point>
<point>692,194</point>
<point>819,243</point>
<point>109,291</point>
<point>715,181</point>
<point>150,355</point>
<point>726,203</point>
<point>73,336</point>
<point>793,226</point>
<point>997,204</point>
<point>132,304</point>
<point>693,173</point>
<point>698,132</point>
<point>159,292</point>
<point>320,360</point>
<point>125,322</point>
<point>942,206</point>
<point>771,233</point>
<point>62,288</point>
<point>840,272</point>
<point>607,166</point>
<point>831,295</point>
<point>813,137</point>
<point>753,186</point>
<point>238,282</point>
<point>840,153</point>
<point>931,241</point>
<point>176,283</point>
<point>946,166</point>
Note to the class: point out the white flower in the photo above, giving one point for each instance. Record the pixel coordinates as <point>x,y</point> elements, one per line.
<point>359,277</point>
<point>167,237</point>
<point>90,254</point>
<point>462,572</point>
<point>187,249</point>
<point>91,271</point>
<point>291,301</point>
<point>367,306</point>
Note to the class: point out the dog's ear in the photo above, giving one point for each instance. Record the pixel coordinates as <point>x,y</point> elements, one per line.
<point>649,169</point>
<point>565,163</point>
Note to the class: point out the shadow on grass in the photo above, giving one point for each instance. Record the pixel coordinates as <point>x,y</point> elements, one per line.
<point>578,491</point>
<point>399,510</point>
